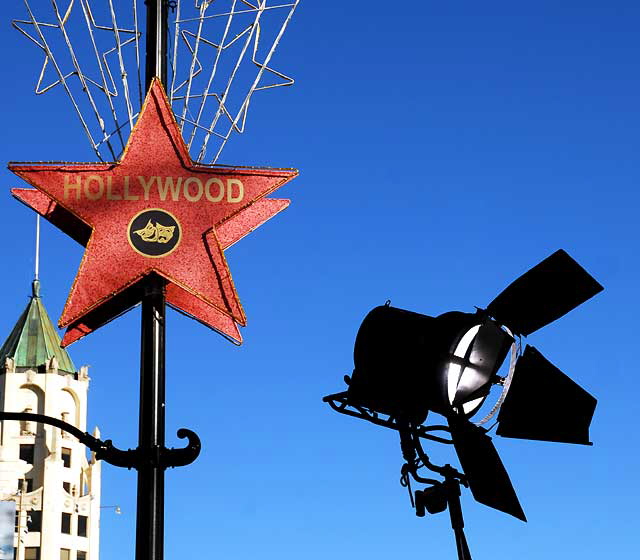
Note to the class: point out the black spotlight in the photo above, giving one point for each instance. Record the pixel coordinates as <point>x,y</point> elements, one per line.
<point>408,364</point>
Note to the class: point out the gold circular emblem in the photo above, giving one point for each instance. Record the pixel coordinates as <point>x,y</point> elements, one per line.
<point>154,233</point>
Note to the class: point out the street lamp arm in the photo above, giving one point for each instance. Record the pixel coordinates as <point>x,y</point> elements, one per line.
<point>42,419</point>
<point>103,449</point>
<point>108,452</point>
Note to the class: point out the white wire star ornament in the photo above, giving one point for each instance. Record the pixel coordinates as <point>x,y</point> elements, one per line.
<point>215,44</point>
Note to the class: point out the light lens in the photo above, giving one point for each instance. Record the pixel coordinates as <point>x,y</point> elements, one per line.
<point>472,367</point>
<point>455,370</point>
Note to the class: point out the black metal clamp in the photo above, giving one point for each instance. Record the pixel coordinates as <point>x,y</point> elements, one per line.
<point>340,403</point>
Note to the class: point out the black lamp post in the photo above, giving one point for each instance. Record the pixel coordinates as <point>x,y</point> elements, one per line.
<point>408,365</point>
<point>151,458</point>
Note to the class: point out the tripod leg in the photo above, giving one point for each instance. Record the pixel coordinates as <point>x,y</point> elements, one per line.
<point>461,544</point>
<point>457,522</point>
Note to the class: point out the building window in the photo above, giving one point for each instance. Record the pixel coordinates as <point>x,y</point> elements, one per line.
<point>34,520</point>
<point>81,555</point>
<point>82,525</point>
<point>65,526</point>
<point>29,485</point>
<point>27,427</point>
<point>66,457</point>
<point>27,451</point>
<point>65,554</point>
<point>65,418</point>
<point>32,553</point>
<point>66,486</point>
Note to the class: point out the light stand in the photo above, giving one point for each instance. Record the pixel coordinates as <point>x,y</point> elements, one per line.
<point>452,486</point>
<point>440,495</point>
<point>443,495</point>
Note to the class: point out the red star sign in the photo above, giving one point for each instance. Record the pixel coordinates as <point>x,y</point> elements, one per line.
<point>154,211</point>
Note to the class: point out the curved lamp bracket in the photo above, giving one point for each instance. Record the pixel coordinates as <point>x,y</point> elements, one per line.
<point>181,457</point>
<point>105,450</point>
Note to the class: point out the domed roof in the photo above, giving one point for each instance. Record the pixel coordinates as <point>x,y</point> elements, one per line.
<point>34,340</point>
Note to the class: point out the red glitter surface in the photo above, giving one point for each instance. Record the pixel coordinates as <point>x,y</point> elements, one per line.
<point>215,206</point>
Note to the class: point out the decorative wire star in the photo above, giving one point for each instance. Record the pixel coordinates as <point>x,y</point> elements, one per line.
<point>251,34</point>
<point>107,84</point>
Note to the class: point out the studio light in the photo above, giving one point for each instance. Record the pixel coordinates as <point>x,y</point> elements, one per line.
<point>407,365</point>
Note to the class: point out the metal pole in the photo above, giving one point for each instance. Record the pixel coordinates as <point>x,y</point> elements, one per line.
<point>156,45</point>
<point>37,271</point>
<point>19,548</point>
<point>151,434</point>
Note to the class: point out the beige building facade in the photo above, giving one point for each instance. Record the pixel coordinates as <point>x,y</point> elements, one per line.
<point>44,470</point>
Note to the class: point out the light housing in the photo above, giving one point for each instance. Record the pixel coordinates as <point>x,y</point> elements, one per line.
<point>407,364</point>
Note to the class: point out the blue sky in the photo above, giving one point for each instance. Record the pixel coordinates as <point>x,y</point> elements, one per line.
<point>444,149</point>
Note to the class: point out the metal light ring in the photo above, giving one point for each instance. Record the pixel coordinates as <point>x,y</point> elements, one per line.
<point>515,353</point>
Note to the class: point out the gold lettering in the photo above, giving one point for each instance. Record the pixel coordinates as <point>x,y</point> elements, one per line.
<point>87,187</point>
<point>207,190</point>
<point>110,194</point>
<point>72,186</point>
<point>163,189</point>
<point>147,185</point>
<point>128,196</point>
<point>230,197</point>
<point>198,194</point>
